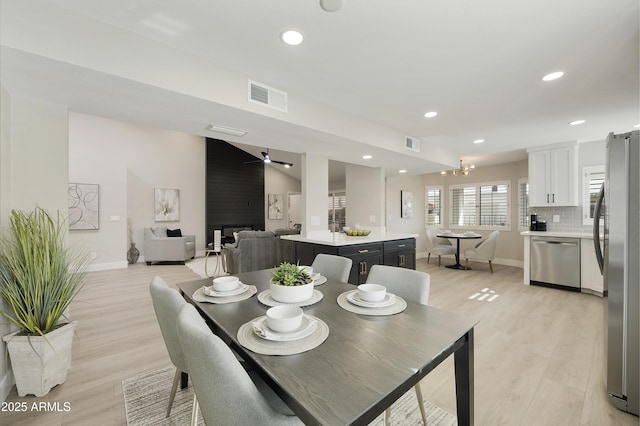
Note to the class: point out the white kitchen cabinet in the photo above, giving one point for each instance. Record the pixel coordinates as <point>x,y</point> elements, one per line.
<point>553,176</point>
<point>591,279</point>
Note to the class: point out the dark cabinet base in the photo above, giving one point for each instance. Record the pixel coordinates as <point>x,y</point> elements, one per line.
<point>400,253</point>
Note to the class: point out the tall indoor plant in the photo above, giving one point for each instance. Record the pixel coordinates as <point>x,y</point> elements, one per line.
<point>39,277</point>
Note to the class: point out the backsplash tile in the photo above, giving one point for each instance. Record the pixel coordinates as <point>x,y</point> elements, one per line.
<point>570,218</point>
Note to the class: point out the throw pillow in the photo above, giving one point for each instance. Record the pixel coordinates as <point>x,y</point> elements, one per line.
<point>174,232</point>
<point>159,231</point>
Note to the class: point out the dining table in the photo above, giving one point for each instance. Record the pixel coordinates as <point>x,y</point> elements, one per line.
<point>366,363</point>
<point>459,236</point>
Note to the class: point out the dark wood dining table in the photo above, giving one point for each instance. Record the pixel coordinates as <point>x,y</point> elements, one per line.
<point>366,363</point>
<point>458,237</point>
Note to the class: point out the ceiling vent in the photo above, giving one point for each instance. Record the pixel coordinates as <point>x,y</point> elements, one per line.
<point>267,96</point>
<point>412,143</point>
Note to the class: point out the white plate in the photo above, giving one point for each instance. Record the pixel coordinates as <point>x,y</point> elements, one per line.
<point>209,291</point>
<point>354,297</point>
<point>319,279</point>
<point>261,329</point>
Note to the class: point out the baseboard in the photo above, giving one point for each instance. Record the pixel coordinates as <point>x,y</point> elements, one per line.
<point>496,261</point>
<point>6,384</point>
<point>106,266</point>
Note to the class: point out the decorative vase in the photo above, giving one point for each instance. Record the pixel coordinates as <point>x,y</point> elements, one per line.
<point>40,363</point>
<point>133,254</point>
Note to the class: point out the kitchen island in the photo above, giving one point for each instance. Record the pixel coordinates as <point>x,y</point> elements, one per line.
<point>387,248</point>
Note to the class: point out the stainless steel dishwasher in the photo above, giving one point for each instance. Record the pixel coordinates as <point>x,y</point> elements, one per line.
<point>555,262</point>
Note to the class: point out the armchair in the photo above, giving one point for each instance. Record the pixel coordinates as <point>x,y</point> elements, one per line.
<point>158,247</point>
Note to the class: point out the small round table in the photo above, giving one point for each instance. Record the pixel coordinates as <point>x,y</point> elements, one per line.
<point>459,237</point>
<point>219,259</point>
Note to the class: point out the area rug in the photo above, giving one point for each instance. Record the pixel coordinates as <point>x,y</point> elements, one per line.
<point>197,265</point>
<point>146,397</point>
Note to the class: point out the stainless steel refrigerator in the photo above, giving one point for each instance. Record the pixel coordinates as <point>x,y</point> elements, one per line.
<point>619,260</point>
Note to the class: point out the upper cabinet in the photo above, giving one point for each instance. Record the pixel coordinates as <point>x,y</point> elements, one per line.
<point>553,175</point>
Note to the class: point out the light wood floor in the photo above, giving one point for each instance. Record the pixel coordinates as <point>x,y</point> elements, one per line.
<point>539,357</point>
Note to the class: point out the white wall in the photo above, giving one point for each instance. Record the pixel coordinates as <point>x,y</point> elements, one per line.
<point>129,161</point>
<point>414,224</point>
<point>365,197</point>
<point>33,171</point>
<point>277,182</point>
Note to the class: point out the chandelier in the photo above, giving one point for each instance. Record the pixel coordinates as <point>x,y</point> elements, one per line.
<point>462,171</point>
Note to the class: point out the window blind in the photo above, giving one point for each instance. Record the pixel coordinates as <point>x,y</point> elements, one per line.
<point>523,204</point>
<point>434,206</point>
<point>463,206</point>
<point>494,205</point>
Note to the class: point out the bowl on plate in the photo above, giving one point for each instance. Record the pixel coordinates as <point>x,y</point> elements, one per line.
<point>225,283</point>
<point>372,292</point>
<point>307,269</point>
<point>284,318</point>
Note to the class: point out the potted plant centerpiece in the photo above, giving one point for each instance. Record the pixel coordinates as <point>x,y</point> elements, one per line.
<point>290,284</point>
<point>39,277</point>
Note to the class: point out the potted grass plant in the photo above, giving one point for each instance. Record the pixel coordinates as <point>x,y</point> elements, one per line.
<point>39,277</point>
<point>290,284</point>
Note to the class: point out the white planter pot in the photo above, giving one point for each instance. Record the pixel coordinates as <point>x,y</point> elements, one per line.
<point>291,294</point>
<point>36,366</point>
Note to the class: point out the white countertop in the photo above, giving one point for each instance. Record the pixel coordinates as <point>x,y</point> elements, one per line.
<point>342,239</point>
<point>583,235</point>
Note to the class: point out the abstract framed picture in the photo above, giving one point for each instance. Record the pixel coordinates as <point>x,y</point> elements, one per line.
<point>166,205</point>
<point>406,208</point>
<point>276,206</point>
<point>84,206</point>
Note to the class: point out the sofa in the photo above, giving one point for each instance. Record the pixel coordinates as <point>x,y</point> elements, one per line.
<point>255,250</point>
<point>166,245</point>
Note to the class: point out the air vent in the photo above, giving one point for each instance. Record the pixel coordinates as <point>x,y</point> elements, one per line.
<point>267,96</point>
<point>412,143</point>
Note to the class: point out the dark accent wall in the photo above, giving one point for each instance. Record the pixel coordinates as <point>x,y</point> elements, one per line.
<point>234,190</point>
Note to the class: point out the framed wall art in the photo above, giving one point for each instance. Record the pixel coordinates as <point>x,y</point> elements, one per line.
<point>406,208</point>
<point>167,205</point>
<point>84,206</point>
<point>276,206</point>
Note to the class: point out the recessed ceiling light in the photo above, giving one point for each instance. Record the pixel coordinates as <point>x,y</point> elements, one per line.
<point>402,171</point>
<point>478,141</point>
<point>367,157</point>
<point>553,76</point>
<point>292,37</point>
<point>430,114</point>
<point>637,125</point>
<point>576,122</point>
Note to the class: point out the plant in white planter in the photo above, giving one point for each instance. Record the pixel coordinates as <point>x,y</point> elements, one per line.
<point>39,277</point>
<point>290,284</point>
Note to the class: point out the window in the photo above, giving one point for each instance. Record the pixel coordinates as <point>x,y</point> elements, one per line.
<point>523,204</point>
<point>433,205</point>
<point>483,205</point>
<point>337,209</point>
<point>592,180</point>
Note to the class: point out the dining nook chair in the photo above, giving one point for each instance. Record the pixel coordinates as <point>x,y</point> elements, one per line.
<point>332,267</point>
<point>167,303</point>
<point>485,250</point>
<point>410,285</point>
<point>438,246</point>
<point>226,391</point>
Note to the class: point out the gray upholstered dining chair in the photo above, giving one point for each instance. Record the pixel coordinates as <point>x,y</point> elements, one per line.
<point>226,392</point>
<point>167,303</point>
<point>484,250</point>
<point>332,267</point>
<point>438,246</point>
<point>410,285</point>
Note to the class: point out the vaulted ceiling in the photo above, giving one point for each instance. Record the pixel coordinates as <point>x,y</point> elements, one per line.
<point>361,80</point>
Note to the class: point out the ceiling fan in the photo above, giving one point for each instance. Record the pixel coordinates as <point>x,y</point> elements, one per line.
<point>267,159</point>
